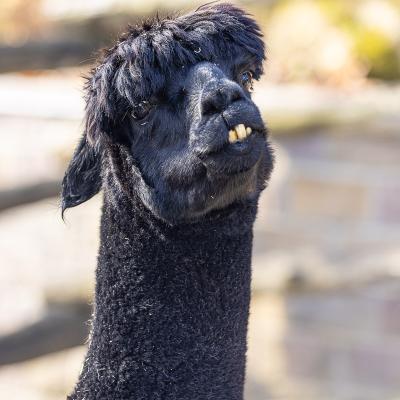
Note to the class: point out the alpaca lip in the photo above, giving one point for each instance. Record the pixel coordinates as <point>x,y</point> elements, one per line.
<point>241,140</point>
<point>235,158</point>
<point>242,147</point>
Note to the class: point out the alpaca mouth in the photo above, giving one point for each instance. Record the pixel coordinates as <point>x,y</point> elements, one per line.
<point>241,140</point>
<point>239,133</point>
<point>242,150</point>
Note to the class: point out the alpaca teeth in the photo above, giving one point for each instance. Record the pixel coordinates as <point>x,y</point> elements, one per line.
<point>239,132</point>
<point>232,136</point>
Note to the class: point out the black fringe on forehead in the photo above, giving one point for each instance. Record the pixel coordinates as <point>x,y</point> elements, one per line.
<point>138,65</point>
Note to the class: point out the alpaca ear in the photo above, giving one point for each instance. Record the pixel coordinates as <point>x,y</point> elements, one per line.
<point>82,180</point>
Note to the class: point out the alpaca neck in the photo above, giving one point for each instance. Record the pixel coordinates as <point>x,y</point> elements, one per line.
<point>171,307</point>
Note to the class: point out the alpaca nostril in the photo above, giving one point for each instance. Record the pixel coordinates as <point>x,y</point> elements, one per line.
<point>236,95</point>
<point>212,102</point>
<point>217,100</point>
<point>209,107</point>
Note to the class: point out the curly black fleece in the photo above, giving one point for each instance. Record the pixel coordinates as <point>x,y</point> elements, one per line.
<point>171,305</point>
<point>152,52</point>
<point>172,298</point>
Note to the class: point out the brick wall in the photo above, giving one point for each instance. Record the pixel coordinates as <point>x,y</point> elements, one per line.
<point>325,320</point>
<point>332,212</point>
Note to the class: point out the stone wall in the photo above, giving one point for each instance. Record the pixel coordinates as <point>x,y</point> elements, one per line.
<point>325,315</point>
<point>332,215</point>
<point>337,345</point>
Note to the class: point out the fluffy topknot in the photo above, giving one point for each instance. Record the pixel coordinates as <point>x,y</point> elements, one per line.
<point>141,60</point>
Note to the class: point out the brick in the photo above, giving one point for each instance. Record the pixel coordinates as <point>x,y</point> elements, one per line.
<point>389,205</point>
<point>341,201</point>
<point>376,365</point>
<point>307,357</point>
<point>391,317</point>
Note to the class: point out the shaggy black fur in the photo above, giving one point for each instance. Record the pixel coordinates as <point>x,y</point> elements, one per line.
<point>173,276</point>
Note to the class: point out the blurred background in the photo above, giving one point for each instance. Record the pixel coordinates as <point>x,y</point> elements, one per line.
<point>325,314</point>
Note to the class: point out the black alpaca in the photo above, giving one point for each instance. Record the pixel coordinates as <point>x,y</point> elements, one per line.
<point>181,152</point>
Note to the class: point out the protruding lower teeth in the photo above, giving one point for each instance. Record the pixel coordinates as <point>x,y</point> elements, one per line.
<point>232,136</point>
<point>238,133</point>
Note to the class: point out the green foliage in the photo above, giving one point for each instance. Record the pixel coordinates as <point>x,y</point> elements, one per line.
<point>372,49</point>
<point>379,54</point>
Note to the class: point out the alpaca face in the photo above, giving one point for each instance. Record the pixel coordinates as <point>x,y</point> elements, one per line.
<point>201,144</point>
<point>175,97</point>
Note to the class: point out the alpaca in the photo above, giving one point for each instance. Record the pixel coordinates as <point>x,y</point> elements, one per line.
<point>181,153</point>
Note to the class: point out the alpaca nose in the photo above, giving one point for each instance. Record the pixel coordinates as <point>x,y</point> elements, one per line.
<point>216,99</point>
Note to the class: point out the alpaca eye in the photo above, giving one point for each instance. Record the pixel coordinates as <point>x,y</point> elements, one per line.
<point>247,80</point>
<point>141,110</point>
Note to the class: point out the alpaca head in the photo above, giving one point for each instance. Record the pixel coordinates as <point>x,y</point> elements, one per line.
<point>169,106</point>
